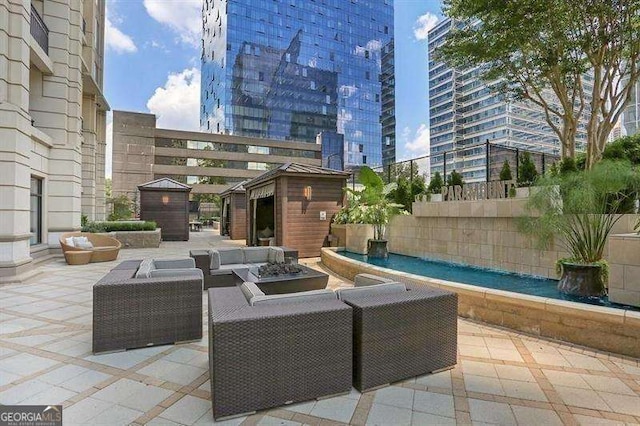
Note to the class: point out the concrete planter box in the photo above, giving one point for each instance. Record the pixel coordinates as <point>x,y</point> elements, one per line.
<point>522,192</point>
<point>353,236</point>
<point>137,239</point>
<point>624,260</point>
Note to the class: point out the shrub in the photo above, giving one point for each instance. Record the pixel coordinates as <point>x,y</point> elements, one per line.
<point>527,172</point>
<point>454,179</point>
<point>625,148</point>
<point>112,226</point>
<point>435,186</point>
<point>505,173</point>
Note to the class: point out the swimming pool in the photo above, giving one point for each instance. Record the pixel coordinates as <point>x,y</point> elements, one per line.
<point>481,277</point>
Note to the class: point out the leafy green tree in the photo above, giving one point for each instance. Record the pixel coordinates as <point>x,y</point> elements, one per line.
<point>543,52</point>
<point>122,208</point>
<point>527,172</point>
<point>625,148</point>
<point>454,179</point>
<point>436,183</point>
<point>505,173</point>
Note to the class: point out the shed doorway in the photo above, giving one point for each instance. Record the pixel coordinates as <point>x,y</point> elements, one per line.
<point>262,225</point>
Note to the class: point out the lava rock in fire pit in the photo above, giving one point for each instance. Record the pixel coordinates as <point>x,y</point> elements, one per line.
<point>275,269</point>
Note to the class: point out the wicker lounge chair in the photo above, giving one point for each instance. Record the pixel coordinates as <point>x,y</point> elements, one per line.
<point>269,355</point>
<point>400,335</point>
<point>131,312</point>
<point>104,248</point>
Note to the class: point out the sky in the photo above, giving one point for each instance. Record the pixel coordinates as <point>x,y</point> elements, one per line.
<point>152,64</point>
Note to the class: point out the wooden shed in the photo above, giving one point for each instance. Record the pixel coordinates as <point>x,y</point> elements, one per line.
<point>233,218</point>
<point>295,202</point>
<point>166,202</point>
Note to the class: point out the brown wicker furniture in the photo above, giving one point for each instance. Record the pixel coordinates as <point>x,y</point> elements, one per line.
<point>269,355</point>
<point>104,249</point>
<point>79,257</point>
<point>131,312</point>
<point>398,336</point>
<point>309,279</point>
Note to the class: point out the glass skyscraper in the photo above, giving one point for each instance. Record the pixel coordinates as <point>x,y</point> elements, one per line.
<point>292,69</point>
<point>465,112</point>
<point>631,114</point>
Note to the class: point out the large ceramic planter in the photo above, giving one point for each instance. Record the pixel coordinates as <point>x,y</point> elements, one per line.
<point>377,249</point>
<point>582,280</point>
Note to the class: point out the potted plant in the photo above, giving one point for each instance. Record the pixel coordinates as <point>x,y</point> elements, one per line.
<point>527,174</point>
<point>435,187</point>
<point>589,209</point>
<point>372,205</point>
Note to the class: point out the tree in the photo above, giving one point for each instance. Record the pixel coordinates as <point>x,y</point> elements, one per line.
<point>527,172</point>
<point>454,179</point>
<point>435,185</point>
<point>505,173</point>
<point>122,208</point>
<point>567,57</point>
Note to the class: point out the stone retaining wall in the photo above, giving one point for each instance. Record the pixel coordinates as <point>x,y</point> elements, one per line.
<point>482,233</point>
<point>607,329</point>
<point>624,260</point>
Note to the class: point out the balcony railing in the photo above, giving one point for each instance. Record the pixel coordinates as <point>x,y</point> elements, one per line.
<point>39,30</point>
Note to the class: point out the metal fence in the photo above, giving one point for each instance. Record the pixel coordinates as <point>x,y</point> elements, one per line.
<point>477,163</point>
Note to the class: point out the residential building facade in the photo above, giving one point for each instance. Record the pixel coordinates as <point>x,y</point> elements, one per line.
<point>631,114</point>
<point>290,70</point>
<point>52,125</point>
<point>465,113</point>
<point>209,163</point>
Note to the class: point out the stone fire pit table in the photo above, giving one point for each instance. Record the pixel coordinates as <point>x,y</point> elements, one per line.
<point>308,279</point>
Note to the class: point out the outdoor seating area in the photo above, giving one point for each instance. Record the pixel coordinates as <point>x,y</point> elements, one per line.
<point>343,345</point>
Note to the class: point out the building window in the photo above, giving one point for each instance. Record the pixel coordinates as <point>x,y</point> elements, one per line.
<point>36,211</point>
<point>260,76</point>
<point>367,75</point>
<point>364,159</point>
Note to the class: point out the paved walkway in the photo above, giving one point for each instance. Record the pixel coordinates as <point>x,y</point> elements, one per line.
<point>501,377</point>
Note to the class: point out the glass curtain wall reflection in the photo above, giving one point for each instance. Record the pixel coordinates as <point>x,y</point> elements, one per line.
<point>292,69</point>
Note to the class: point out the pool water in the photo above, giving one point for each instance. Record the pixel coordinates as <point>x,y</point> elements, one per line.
<point>481,277</point>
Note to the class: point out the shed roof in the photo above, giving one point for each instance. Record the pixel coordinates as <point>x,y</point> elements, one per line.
<point>296,169</point>
<point>238,187</point>
<point>166,184</point>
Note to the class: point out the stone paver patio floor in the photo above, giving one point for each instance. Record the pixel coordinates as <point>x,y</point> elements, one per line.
<point>501,377</point>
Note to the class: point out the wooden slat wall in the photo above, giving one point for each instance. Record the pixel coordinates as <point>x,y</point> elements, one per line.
<point>238,217</point>
<point>172,218</point>
<point>304,230</point>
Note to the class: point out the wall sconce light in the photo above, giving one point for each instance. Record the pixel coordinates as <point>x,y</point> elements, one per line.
<point>165,199</point>
<point>308,191</point>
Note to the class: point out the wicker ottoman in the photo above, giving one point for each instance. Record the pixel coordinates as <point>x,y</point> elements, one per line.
<point>78,257</point>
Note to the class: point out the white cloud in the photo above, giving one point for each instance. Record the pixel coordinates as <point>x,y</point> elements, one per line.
<point>109,148</point>
<point>423,25</point>
<point>182,16</point>
<point>419,143</point>
<point>115,39</point>
<point>177,104</point>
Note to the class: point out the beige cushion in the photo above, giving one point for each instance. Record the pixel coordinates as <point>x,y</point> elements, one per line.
<point>250,290</point>
<point>231,255</point>
<point>301,297</point>
<point>256,254</point>
<point>371,290</point>
<point>362,280</point>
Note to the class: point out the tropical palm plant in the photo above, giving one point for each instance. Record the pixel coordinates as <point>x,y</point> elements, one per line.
<point>581,207</point>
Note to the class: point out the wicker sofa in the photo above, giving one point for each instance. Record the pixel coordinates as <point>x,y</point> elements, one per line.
<point>104,248</point>
<point>399,331</point>
<point>217,265</point>
<point>131,312</point>
<point>273,353</point>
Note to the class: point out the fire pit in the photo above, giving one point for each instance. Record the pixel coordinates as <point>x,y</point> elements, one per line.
<point>277,269</point>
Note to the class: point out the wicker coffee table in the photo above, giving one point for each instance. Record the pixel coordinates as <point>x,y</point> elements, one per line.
<point>308,279</point>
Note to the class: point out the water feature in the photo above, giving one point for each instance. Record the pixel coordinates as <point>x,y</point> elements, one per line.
<point>481,277</point>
